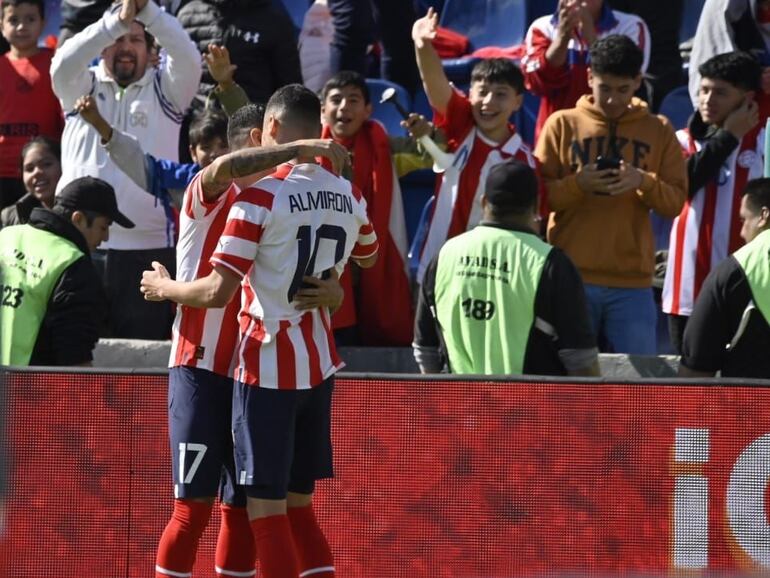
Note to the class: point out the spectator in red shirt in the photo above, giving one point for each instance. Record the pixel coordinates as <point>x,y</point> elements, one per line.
<point>28,106</point>
<point>556,63</point>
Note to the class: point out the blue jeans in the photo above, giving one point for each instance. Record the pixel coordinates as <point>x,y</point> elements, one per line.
<point>624,318</point>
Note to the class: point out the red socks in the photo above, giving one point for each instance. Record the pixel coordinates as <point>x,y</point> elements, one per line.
<point>236,553</point>
<point>315,556</point>
<point>179,542</point>
<point>275,547</point>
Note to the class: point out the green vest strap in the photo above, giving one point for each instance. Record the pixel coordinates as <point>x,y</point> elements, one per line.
<point>754,259</point>
<point>486,282</point>
<point>31,261</point>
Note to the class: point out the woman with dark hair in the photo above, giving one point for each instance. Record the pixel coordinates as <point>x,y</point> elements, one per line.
<point>40,169</point>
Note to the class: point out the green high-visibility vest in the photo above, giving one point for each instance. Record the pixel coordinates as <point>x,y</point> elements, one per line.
<point>31,262</point>
<point>486,282</point>
<point>754,259</point>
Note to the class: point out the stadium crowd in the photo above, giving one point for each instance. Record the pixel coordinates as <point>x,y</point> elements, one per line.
<point>165,174</point>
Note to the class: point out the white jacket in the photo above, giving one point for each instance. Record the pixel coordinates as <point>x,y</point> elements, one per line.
<point>151,109</point>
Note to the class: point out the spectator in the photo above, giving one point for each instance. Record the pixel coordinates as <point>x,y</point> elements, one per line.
<point>725,144</point>
<point>729,331</point>
<point>41,170</point>
<point>663,19</point>
<point>478,131</point>
<point>28,106</point>
<point>77,14</point>
<point>147,103</point>
<point>259,35</point>
<point>556,63</point>
<point>384,317</point>
<point>728,25</point>
<point>356,26</point>
<point>606,163</point>
<point>498,300</point>
<point>56,300</point>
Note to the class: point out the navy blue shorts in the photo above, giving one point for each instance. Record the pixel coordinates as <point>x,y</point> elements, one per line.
<point>282,439</point>
<point>199,420</point>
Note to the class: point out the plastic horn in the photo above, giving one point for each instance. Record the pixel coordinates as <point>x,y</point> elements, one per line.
<point>441,160</point>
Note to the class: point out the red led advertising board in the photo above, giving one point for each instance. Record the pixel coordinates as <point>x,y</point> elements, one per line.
<point>435,479</point>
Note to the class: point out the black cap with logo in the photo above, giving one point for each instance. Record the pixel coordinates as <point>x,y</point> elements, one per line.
<point>511,185</point>
<point>95,195</point>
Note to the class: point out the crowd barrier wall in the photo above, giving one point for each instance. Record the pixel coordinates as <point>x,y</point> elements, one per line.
<point>435,477</point>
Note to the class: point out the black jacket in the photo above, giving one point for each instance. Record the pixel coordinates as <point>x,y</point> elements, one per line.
<point>19,212</point>
<point>77,14</point>
<point>77,307</point>
<point>717,146</point>
<point>259,35</point>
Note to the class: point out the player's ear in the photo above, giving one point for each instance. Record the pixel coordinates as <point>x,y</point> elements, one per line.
<point>273,126</point>
<point>255,136</point>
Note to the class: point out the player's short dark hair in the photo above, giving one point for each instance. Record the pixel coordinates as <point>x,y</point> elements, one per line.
<point>346,78</point>
<point>242,122</point>
<point>43,141</point>
<point>757,193</point>
<point>740,69</point>
<point>206,126</point>
<point>500,71</point>
<point>296,106</point>
<point>39,3</point>
<point>617,55</point>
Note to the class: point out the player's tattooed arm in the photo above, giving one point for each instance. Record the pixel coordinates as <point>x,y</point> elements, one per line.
<point>254,161</point>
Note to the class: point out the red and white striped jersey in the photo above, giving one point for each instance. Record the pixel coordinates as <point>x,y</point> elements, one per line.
<point>302,220</point>
<point>708,228</point>
<point>457,205</point>
<point>203,338</point>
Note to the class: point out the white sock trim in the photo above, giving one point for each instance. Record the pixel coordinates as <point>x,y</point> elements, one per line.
<point>224,572</point>
<point>162,570</point>
<point>316,571</point>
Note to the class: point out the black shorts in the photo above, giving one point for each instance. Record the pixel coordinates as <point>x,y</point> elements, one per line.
<point>282,439</point>
<point>199,419</point>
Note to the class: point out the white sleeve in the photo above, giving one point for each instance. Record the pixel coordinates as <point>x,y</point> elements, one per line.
<point>70,74</point>
<point>180,73</point>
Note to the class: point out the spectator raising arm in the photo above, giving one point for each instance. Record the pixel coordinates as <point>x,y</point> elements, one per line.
<point>434,79</point>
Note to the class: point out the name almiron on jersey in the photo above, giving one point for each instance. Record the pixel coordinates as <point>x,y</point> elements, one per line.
<point>327,200</point>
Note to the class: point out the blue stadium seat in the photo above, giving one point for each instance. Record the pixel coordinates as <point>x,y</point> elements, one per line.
<point>296,9</point>
<point>485,23</point>
<point>692,10</point>
<point>52,20</point>
<point>420,105</point>
<point>416,188</point>
<point>538,8</point>
<point>419,237</point>
<point>387,113</point>
<point>677,106</point>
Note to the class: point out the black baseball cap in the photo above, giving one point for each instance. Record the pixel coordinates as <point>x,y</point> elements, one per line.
<point>95,195</point>
<point>511,186</point>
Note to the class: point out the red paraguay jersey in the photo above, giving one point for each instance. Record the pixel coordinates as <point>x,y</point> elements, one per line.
<point>203,338</point>
<point>302,220</point>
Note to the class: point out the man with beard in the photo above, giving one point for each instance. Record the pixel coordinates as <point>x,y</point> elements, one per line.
<point>148,103</point>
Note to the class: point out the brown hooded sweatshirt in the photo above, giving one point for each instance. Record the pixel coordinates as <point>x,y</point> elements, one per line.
<point>609,238</point>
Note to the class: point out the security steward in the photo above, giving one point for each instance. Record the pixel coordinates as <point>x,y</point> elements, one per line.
<point>498,300</point>
<point>52,302</point>
<point>729,330</point>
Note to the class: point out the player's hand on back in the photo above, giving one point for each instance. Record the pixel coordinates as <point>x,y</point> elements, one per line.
<point>337,154</point>
<point>152,282</point>
<point>321,293</point>
<point>219,65</point>
<point>424,29</point>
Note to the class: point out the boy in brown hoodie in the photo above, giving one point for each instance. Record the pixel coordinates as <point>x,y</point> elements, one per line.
<point>605,164</point>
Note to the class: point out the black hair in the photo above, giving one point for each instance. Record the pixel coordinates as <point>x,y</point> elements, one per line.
<point>757,193</point>
<point>242,122</point>
<point>346,78</point>
<point>511,188</point>
<point>297,106</point>
<point>617,55</point>
<point>206,126</point>
<point>500,71</point>
<point>53,147</point>
<point>67,212</point>
<point>740,69</point>
<point>7,3</point>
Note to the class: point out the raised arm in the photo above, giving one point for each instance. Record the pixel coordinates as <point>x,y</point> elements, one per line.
<point>434,79</point>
